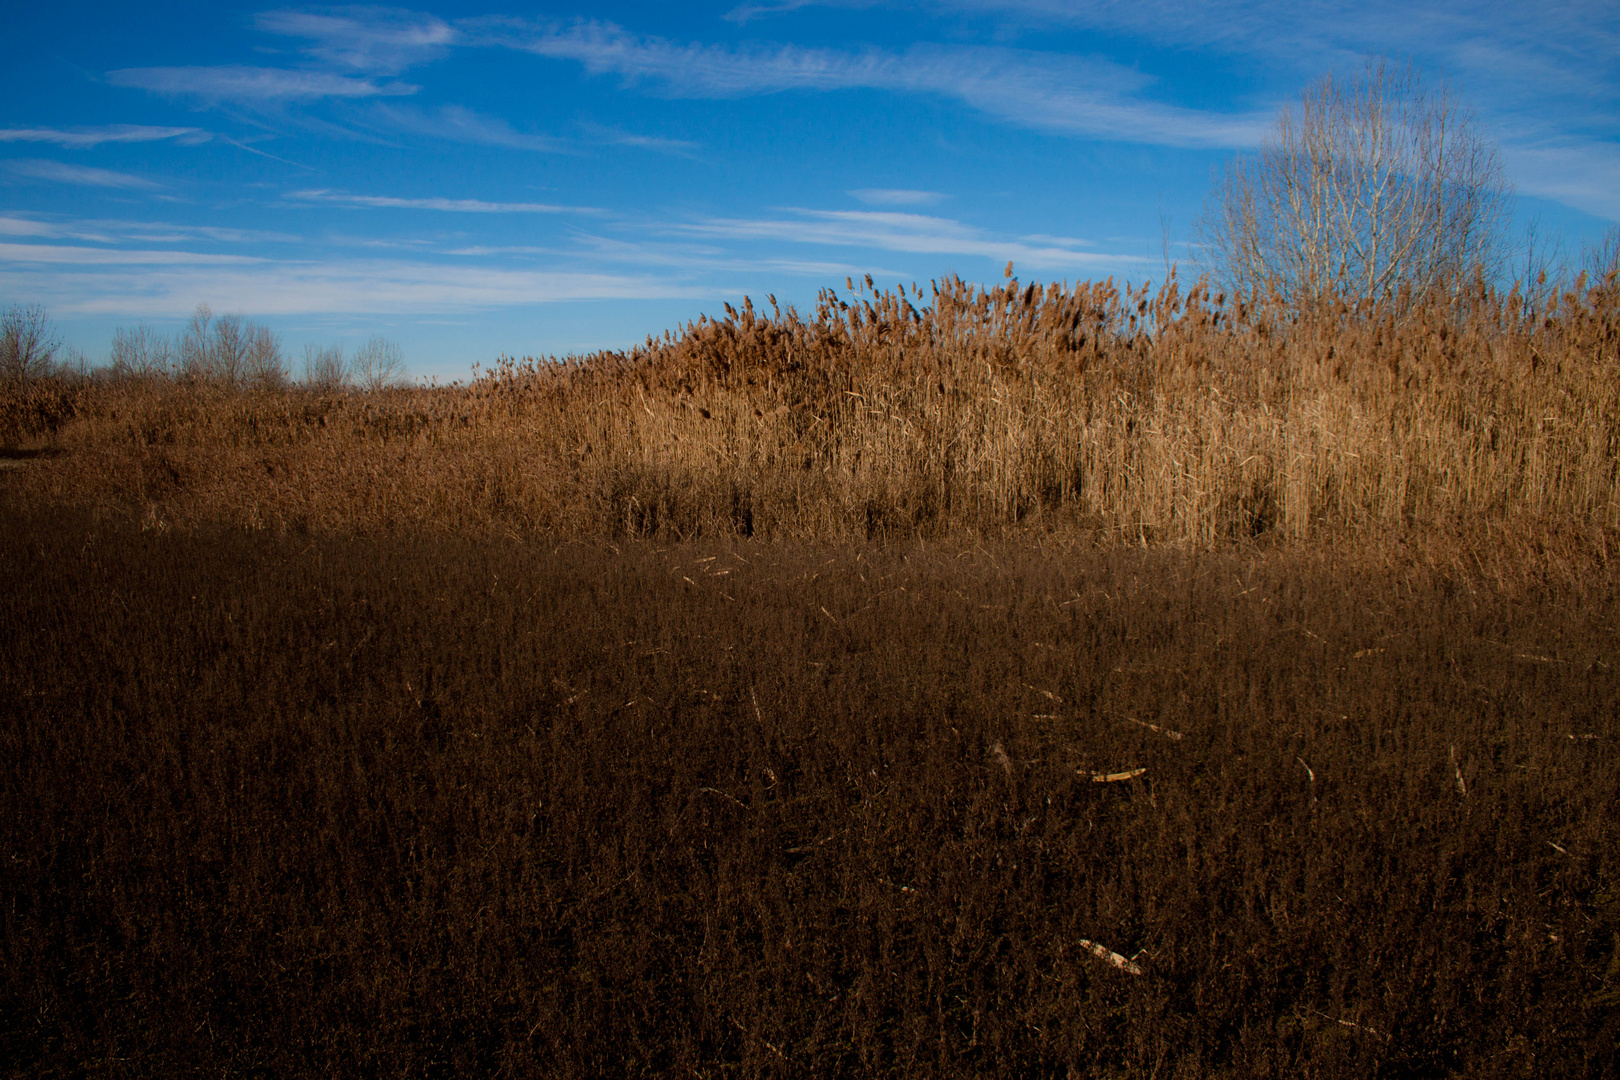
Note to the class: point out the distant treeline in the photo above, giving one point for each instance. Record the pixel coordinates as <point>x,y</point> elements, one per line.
<point>227,351</point>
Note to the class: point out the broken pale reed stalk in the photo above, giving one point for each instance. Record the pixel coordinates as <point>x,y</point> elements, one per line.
<point>1103,952</point>
<point>1115,777</point>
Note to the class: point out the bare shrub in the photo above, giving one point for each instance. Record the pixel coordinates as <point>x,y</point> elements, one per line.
<point>1375,187</point>
<point>379,364</point>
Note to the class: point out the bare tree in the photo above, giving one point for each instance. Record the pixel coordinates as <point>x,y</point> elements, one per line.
<point>228,359</point>
<point>325,370</point>
<point>1374,187</point>
<point>27,347</point>
<point>230,351</point>
<point>265,368</point>
<point>196,350</point>
<point>379,365</point>
<point>140,354</point>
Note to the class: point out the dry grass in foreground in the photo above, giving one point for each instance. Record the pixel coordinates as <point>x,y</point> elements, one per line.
<point>1087,411</point>
<point>416,805</point>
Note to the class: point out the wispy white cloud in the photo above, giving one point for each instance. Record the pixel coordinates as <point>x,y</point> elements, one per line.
<point>116,231</point>
<point>1539,74</point>
<point>159,232</point>
<point>344,287</point>
<point>481,250</point>
<point>253,85</point>
<point>372,39</point>
<point>84,137</point>
<point>1584,175</point>
<point>613,136</point>
<point>1505,55</point>
<point>1303,31</point>
<point>58,172</point>
<point>898,197</point>
<point>747,12</point>
<point>22,226</point>
<point>914,234</point>
<point>462,206</point>
<point>690,256</point>
<point>1076,95</point>
<point>74,255</point>
<point>683,259</point>
<point>458,124</point>
<point>77,278</point>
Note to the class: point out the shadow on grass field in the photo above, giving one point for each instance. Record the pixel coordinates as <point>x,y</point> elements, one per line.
<point>287,806</point>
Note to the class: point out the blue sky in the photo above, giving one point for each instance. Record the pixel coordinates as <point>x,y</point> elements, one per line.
<point>472,180</point>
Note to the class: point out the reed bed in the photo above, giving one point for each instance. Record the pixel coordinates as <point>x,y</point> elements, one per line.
<point>411,805</point>
<point>1047,681</point>
<point>1176,418</point>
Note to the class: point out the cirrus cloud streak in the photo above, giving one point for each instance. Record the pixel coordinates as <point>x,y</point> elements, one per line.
<point>82,138</point>
<point>917,234</point>
<point>334,287</point>
<point>1074,95</point>
<point>460,206</point>
<point>246,84</point>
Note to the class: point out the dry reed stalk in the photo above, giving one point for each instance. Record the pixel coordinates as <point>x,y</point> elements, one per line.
<point>1352,1024</point>
<point>1116,777</point>
<point>1103,952</point>
<point>1173,736</point>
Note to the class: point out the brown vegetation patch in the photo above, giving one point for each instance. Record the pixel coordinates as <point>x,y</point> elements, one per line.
<point>425,804</point>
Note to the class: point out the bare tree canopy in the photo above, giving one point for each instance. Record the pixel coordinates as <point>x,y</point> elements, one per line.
<point>325,370</point>
<point>27,347</point>
<point>1374,187</point>
<point>140,353</point>
<point>379,364</point>
<point>230,351</point>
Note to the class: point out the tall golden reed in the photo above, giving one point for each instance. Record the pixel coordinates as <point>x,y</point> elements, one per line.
<point>1177,417</point>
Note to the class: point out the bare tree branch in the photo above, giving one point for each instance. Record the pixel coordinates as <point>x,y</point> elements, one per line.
<point>1374,187</point>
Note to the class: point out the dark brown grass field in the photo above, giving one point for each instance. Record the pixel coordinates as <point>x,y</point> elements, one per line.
<point>423,804</point>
